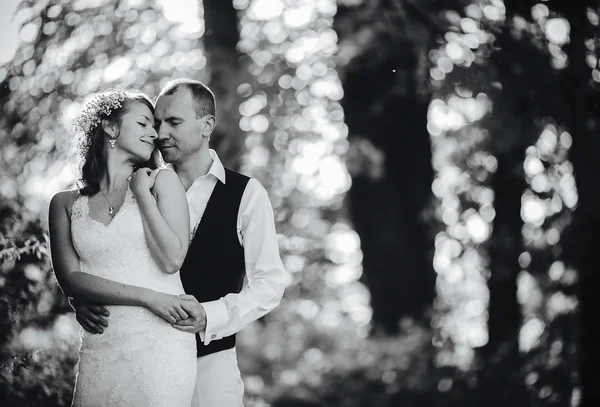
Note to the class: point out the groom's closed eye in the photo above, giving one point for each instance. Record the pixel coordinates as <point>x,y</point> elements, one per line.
<point>171,121</point>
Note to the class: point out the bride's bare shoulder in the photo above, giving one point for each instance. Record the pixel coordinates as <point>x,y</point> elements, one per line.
<point>67,194</point>
<point>64,199</point>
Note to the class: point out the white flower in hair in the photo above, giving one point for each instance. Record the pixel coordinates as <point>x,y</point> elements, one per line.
<point>100,107</point>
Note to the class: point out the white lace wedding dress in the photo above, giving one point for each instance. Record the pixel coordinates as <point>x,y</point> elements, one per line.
<point>140,359</point>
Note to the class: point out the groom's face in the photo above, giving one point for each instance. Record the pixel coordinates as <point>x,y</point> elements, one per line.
<point>179,129</point>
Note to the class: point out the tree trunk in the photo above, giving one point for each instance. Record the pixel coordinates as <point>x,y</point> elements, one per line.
<point>385,113</point>
<point>502,379</point>
<point>386,215</point>
<point>224,64</point>
<point>502,372</point>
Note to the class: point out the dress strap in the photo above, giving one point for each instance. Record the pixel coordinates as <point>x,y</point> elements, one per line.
<point>79,207</point>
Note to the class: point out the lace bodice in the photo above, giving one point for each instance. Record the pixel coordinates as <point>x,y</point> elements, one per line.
<point>119,250</point>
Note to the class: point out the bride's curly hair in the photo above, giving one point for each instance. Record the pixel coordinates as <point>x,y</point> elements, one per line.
<point>112,105</point>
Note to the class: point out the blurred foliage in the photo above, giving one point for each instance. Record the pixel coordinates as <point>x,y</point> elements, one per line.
<point>441,153</point>
<point>502,128</point>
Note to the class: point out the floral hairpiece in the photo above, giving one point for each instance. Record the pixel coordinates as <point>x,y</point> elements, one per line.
<point>100,107</point>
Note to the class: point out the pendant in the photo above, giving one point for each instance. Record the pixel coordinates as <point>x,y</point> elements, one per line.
<point>111,210</point>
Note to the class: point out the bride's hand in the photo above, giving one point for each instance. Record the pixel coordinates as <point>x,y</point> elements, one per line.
<point>141,181</point>
<point>166,306</point>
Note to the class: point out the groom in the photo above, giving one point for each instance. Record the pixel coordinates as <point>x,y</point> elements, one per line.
<point>233,273</point>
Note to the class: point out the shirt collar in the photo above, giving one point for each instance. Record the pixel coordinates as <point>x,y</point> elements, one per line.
<point>216,169</point>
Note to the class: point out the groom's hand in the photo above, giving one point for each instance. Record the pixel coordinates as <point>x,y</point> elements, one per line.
<point>197,317</point>
<point>91,317</point>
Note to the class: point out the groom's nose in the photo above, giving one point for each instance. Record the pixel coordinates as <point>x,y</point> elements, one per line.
<point>162,133</point>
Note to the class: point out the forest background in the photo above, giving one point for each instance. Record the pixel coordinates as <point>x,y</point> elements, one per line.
<point>432,167</point>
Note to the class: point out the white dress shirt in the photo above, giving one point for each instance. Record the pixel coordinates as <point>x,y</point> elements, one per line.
<point>266,278</point>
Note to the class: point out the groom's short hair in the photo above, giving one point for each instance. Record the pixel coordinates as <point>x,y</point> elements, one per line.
<point>203,97</point>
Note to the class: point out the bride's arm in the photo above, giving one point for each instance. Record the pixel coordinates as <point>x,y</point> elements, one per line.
<point>166,219</point>
<point>87,287</point>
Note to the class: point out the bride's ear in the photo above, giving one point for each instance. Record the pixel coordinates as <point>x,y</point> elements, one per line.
<point>109,128</point>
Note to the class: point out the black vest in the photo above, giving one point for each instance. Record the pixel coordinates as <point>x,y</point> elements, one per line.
<point>214,265</point>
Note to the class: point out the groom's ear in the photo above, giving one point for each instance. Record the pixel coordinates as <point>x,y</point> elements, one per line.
<point>209,124</point>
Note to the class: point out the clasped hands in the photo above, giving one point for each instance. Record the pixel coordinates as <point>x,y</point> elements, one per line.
<point>196,318</point>
<point>183,311</point>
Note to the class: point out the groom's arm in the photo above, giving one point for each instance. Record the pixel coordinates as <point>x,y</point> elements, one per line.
<point>266,277</point>
<point>265,274</point>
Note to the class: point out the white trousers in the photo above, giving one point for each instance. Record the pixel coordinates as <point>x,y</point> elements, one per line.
<point>219,382</point>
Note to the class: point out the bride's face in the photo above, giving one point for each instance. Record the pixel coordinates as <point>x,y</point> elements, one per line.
<point>136,132</point>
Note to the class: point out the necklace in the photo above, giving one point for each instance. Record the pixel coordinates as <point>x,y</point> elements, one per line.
<point>111,208</point>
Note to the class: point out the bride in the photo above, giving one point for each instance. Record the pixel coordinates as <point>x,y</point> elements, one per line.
<point>120,240</point>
